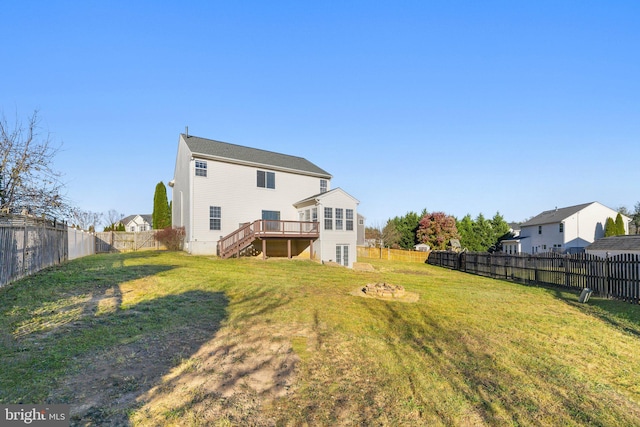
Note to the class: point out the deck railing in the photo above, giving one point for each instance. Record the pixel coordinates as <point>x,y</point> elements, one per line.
<point>266,228</point>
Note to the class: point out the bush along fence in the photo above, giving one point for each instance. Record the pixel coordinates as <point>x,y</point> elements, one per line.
<point>612,277</point>
<point>29,244</point>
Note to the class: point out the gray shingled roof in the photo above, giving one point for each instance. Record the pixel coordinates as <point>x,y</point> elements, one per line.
<point>251,156</point>
<point>616,243</point>
<point>555,215</point>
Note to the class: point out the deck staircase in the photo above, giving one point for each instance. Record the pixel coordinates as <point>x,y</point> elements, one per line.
<point>238,242</point>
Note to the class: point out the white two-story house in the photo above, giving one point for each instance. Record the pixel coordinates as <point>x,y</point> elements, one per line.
<point>563,230</point>
<point>235,200</point>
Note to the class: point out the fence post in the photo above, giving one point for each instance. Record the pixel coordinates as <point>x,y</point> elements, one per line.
<point>607,283</point>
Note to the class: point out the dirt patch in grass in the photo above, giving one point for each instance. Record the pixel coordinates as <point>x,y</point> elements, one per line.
<point>230,379</point>
<point>182,375</point>
<point>363,266</point>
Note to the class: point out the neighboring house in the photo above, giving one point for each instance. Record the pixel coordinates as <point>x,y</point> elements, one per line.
<point>137,223</point>
<point>615,245</point>
<point>512,244</point>
<point>361,231</point>
<point>422,247</point>
<point>233,199</point>
<point>564,230</point>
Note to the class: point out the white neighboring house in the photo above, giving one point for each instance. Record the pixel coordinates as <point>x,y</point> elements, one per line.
<point>564,230</point>
<point>233,199</point>
<point>137,223</point>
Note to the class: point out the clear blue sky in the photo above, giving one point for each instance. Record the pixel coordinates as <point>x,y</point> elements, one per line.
<point>462,107</point>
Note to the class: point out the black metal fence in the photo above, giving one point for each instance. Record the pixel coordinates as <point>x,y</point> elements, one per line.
<point>613,277</point>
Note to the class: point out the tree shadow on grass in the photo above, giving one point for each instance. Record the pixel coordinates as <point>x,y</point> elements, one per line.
<point>75,343</point>
<point>140,345</point>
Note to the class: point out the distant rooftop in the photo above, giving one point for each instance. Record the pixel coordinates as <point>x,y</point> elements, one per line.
<point>555,215</point>
<point>251,156</point>
<point>617,243</point>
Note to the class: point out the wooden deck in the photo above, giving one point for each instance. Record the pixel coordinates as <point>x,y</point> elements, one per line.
<point>265,230</point>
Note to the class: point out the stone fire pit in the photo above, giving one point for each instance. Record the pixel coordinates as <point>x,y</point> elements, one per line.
<point>386,291</point>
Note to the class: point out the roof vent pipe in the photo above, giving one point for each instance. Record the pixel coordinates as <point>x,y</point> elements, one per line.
<point>186,131</point>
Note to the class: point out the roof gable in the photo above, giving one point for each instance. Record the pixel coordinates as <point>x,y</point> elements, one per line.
<point>321,196</point>
<point>555,215</point>
<point>232,153</point>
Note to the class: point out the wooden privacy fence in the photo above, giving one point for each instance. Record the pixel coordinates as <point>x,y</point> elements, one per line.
<point>392,254</point>
<point>28,245</point>
<point>122,241</point>
<point>613,277</point>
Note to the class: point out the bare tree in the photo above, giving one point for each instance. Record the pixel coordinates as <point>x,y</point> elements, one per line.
<point>28,182</point>
<point>114,217</point>
<point>86,220</point>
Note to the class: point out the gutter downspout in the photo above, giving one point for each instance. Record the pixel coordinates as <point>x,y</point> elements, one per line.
<point>191,173</point>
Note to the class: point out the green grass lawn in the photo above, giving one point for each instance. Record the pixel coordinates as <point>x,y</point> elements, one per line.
<point>163,338</point>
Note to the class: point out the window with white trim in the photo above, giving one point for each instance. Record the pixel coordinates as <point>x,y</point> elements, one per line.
<point>201,168</point>
<point>215,218</point>
<point>266,179</point>
<point>349,213</point>
<point>328,218</point>
<point>323,185</point>
<point>339,218</point>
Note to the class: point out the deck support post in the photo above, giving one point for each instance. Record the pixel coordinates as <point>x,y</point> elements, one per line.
<point>264,248</point>
<point>289,248</point>
<point>311,250</point>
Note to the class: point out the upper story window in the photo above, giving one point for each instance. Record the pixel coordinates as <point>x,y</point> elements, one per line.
<point>561,227</point>
<point>266,179</point>
<point>339,218</point>
<point>349,213</point>
<point>323,185</point>
<point>328,218</point>
<point>314,214</point>
<point>201,168</point>
<point>539,229</point>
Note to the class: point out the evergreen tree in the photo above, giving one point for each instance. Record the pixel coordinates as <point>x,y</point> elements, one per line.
<point>501,231</point>
<point>468,238</point>
<point>609,228</point>
<point>407,226</point>
<point>619,225</point>
<point>161,216</point>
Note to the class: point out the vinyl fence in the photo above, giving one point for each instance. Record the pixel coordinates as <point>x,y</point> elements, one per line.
<point>613,277</point>
<point>392,254</point>
<point>28,245</point>
<point>81,243</point>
